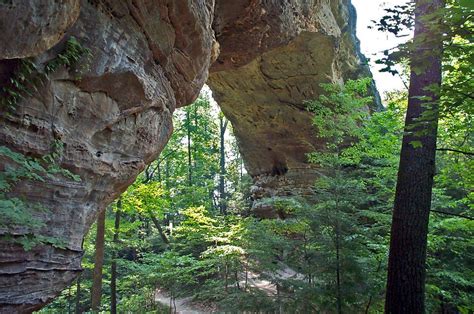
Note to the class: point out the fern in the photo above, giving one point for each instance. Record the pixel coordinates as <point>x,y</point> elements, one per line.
<point>15,211</point>
<point>28,77</point>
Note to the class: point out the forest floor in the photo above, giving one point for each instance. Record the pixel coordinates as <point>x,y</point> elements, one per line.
<point>183,305</point>
<point>187,306</point>
<point>284,273</point>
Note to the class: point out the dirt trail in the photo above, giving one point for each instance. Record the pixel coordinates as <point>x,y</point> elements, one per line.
<point>183,305</point>
<point>186,306</point>
<point>267,286</point>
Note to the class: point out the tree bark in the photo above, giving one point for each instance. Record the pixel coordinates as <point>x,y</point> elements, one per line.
<point>78,309</point>
<point>222,195</point>
<point>226,277</point>
<point>188,130</point>
<point>96,293</point>
<point>338,262</point>
<point>157,224</point>
<point>338,276</point>
<point>113,269</point>
<point>167,174</point>
<point>69,300</point>
<point>406,266</point>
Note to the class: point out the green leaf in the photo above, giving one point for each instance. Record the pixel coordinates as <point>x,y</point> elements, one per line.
<point>469,4</point>
<point>416,144</point>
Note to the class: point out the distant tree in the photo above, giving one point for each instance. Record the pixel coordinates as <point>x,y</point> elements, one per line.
<point>78,309</point>
<point>113,267</point>
<point>222,169</point>
<point>96,292</point>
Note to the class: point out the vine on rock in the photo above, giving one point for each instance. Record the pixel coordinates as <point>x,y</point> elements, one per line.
<point>15,211</point>
<point>29,76</point>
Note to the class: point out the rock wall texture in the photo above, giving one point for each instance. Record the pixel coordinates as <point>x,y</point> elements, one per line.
<point>31,27</point>
<point>113,110</point>
<point>262,82</point>
<point>147,58</point>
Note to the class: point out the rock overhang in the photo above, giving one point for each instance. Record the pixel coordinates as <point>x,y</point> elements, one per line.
<point>148,58</point>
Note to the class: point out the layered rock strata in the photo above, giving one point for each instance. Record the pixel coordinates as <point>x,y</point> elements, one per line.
<point>262,83</point>
<point>112,111</point>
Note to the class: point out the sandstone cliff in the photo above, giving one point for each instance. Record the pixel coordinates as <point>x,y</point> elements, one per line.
<point>274,56</point>
<point>113,115</point>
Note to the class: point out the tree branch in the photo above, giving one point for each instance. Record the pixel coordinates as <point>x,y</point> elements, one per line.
<point>471,95</point>
<point>451,214</point>
<point>157,224</point>
<point>456,151</point>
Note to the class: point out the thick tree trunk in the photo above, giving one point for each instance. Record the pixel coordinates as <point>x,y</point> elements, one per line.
<point>113,270</point>
<point>406,266</point>
<point>96,293</point>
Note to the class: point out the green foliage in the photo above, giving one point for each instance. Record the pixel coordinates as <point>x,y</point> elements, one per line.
<point>28,76</point>
<point>201,243</point>
<point>455,21</point>
<point>19,85</point>
<point>173,272</point>
<point>338,112</point>
<point>449,250</point>
<point>450,273</point>
<point>225,260</point>
<point>450,245</point>
<point>69,57</point>
<point>194,230</point>
<point>15,211</point>
<point>343,237</point>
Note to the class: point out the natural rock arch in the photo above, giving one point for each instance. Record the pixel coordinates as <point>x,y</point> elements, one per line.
<point>149,57</point>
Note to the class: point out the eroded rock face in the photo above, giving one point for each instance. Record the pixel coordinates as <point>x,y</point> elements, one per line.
<point>31,27</point>
<point>113,111</point>
<point>147,58</point>
<point>262,82</point>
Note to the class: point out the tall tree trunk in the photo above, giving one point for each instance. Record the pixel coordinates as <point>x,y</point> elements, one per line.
<point>241,166</point>
<point>113,269</point>
<point>69,300</point>
<point>78,309</point>
<point>226,274</point>
<point>406,266</point>
<point>338,268</point>
<point>157,224</point>
<point>98,262</point>
<point>246,276</point>
<point>159,171</point>
<point>188,129</point>
<point>167,174</point>
<point>171,304</point>
<point>236,277</point>
<point>222,197</point>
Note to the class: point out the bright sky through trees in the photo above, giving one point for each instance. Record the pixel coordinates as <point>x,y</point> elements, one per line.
<point>374,42</point>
